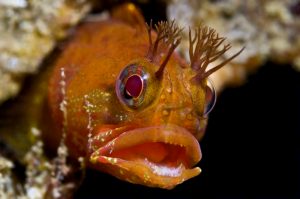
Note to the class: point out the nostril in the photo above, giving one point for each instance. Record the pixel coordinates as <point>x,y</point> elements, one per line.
<point>189,116</point>
<point>166,112</point>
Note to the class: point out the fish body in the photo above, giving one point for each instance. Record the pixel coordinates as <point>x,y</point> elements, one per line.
<point>93,61</point>
<point>120,97</point>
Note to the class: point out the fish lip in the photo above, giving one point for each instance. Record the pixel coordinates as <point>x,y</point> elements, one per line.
<point>167,134</point>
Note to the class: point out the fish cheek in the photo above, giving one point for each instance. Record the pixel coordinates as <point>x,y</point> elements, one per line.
<point>199,102</point>
<point>198,96</point>
<point>102,106</point>
<point>117,112</point>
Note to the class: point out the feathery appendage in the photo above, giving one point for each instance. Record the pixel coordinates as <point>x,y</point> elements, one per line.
<point>169,35</point>
<point>205,48</point>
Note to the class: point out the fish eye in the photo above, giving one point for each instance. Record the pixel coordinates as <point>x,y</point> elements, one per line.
<point>210,97</point>
<point>131,85</point>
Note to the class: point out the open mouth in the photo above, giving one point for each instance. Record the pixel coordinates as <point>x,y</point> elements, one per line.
<point>159,156</point>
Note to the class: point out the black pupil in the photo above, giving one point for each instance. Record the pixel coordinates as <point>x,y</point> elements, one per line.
<point>126,95</point>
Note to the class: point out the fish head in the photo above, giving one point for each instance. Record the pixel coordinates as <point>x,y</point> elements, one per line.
<point>157,123</point>
<point>158,111</point>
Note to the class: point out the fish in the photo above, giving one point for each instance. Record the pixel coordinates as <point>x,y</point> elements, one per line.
<point>121,97</point>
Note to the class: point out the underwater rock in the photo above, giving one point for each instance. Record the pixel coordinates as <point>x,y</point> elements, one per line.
<point>6,181</point>
<point>270,30</point>
<point>29,30</point>
<point>44,178</point>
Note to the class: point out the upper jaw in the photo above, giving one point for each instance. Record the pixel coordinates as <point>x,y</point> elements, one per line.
<point>158,156</point>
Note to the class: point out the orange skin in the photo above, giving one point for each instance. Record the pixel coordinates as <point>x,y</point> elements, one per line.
<point>154,144</point>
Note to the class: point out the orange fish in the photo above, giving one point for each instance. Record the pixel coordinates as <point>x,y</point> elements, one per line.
<point>128,103</point>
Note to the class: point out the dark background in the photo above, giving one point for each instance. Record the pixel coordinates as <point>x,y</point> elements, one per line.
<point>251,148</point>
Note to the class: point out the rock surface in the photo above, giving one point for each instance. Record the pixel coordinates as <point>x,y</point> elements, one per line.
<point>29,30</point>
<point>270,30</point>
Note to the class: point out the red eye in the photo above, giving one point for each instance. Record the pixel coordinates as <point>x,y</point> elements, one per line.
<point>131,85</point>
<point>134,86</point>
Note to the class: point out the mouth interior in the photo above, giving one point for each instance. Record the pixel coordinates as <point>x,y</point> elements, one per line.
<point>158,156</point>
<point>163,158</point>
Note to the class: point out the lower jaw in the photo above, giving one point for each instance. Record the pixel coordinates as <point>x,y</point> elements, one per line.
<point>147,173</point>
